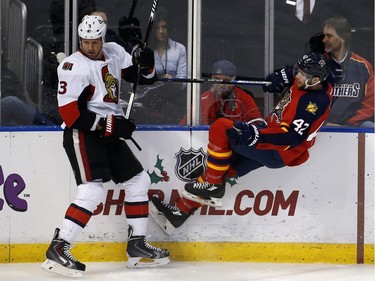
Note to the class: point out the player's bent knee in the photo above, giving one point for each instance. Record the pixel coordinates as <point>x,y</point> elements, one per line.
<point>221,124</point>
<point>137,186</point>
<point>90,195</point>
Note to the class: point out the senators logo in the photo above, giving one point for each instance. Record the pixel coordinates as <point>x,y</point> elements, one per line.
<point>67,66</point>
<point>111,85</point>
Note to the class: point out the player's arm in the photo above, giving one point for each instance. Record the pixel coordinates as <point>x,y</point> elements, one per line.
<point>308,117</point>
<point>73,95</point>
<point>76,115</point>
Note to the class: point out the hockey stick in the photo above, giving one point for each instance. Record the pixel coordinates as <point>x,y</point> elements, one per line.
<point>132,9</point>
<point>145,42</point>
<point>135,85</point>
<point>238,77</point>
<point>216,81</point>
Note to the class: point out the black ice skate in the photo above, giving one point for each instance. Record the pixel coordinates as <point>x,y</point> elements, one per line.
<point>138,249</point>
<point>205,193</point>
<point>168,217</point>
<point>60,260</point>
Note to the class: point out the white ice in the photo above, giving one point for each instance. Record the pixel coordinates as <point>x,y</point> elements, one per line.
<point>195,271</point>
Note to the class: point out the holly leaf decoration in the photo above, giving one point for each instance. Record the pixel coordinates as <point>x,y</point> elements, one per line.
<point>158,164</point>
<point>232,181</point>
<point>154,177</point>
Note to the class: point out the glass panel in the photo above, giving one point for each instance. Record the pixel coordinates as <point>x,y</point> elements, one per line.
<point>36,104</point>
<point>292,34</point>
<point>232,31</point>
<point>163,102</point>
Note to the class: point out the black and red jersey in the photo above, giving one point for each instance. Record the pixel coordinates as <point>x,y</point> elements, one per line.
<point>294,123</point>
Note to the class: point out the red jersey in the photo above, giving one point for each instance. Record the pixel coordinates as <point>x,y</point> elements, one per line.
<point>294,123</point>
<point>240,106</point>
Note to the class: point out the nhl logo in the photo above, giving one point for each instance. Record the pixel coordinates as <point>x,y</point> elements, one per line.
<point>190,164</point>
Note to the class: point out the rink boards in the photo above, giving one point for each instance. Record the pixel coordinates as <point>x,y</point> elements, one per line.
<point>321,211</point>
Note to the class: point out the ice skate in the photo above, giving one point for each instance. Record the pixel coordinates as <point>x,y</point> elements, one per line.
<point>138,249</point>
<point>60,260</point>
<point>205,193</point>
<point>168,217</point>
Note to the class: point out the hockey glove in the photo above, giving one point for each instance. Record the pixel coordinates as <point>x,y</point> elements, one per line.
<point>279,80</point>
<point>316,43</point>
<point>144,58</point>
<point>243,133</point>
<point>129,30</point>
<point>117,126</point>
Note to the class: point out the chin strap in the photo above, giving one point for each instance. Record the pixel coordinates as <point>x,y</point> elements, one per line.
<point>308,86</point>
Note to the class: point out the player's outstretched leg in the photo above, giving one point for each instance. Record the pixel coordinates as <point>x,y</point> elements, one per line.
<point>167,216</point>
<point>138,249</point>
<point>205,193</point>
<point>60,260</point>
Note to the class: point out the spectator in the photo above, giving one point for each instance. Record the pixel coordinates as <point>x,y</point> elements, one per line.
<point>13,107</point>
<point>15,112</point>
<point>226,100</point>
<point>164,103</point>
<point>170,56</point>
<point>353,103</point>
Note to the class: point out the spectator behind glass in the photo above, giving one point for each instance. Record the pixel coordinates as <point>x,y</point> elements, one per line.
<point>170,56</point>
<point>226,100</point>
<point>13,107</point>
<point>353,103</point>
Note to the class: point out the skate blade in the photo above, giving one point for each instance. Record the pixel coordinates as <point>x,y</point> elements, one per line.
<point>214,202</point>
<point>54,267</point>
<point>160,219</point>
<point>146,262</point>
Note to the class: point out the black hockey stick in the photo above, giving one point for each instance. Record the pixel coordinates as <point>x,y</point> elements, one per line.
<point>216,81</point>
<point>135,85</point>
<point>145,42</point>
<point>132,9</point>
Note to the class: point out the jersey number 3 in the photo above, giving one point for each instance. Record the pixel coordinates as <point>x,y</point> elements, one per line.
<point>62,87</point>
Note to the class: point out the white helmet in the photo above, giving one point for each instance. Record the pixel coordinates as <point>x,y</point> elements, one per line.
<point>92,27</point>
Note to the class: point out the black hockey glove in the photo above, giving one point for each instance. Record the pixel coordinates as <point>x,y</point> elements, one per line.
<point>279,80</point>
<point>129,30</point>
<point>316,43</point>
<point>243,133</point>
<point>117,126</point>
<point>144,58</point>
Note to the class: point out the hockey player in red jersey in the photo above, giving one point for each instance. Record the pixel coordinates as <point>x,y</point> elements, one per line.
<point>237,148</point>
<point>94,141</point>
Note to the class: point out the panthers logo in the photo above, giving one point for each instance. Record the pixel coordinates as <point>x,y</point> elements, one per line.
<point>277,112</point>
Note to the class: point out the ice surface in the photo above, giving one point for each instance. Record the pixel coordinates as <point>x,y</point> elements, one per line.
<point>193,271</point>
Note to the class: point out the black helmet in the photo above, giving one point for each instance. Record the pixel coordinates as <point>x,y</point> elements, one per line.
<point>313,64</point>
